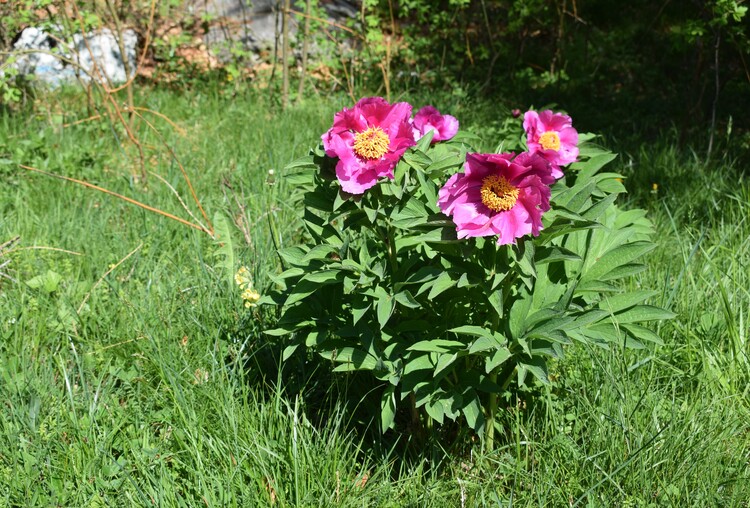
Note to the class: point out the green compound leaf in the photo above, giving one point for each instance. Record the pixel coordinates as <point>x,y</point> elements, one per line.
<point>294,256</point>
<point>444,361</point>
<point>536,366</point>
<point>406,299</point>
<point>615,258</point>
<point>472,410</point>
<point>442,283</point>
<point>590,167</point>
<point>387,408</point>
<point>224,247</point>
<point>643,333</point>
<point>497,358</point>
<point>550,254</point>
<point>616,303</point>
<point>436,409</point>
<point>384,309</point>
<point>436,346</point>
<point>641,313</point>
<point>351,359</point>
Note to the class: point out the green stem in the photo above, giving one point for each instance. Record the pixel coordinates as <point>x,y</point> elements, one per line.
<point>490,433</point>
<point>492,416</point>
<point>391,240</point>
<point>275,237</point>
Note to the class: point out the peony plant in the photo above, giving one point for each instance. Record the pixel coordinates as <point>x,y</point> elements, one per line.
<point>453,275</point>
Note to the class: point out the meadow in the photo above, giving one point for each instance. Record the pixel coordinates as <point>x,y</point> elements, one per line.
<point>132,374</point>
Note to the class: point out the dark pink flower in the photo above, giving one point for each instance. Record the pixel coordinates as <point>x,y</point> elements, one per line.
<point>552,135</point>
<point>368,139</point>
<point>498,195</point>
<point>429,119</point>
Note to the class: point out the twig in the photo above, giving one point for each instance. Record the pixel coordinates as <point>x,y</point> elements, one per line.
<point>176,127</point>
<point>337,25</point>
<point>182,169</point>
<point>145,48</point>
<point>111,269</point>
<point>305,45</point>
<point>42,247</point>
<point>124,198</point>
<point>177,195</point>
<point>9,243</point>
<point>141,337</point>
<point>107,87</point>
<point>285,56</point>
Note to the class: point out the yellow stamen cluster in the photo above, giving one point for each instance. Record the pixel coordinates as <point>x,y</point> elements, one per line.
<point>498,194</point>
<point>371,144</point>
<point>550,140</point>
<point>245,282</point>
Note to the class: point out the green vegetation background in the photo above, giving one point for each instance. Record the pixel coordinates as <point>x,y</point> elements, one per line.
<point>152,384</point>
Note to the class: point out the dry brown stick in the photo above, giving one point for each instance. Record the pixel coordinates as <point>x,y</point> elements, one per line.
<point>164,117</point>
<point>177,195</point>
<point>124,198</point>
<point>337,25</point>
<point>107,87</point>
<point>305,45</point>
<point>123,56</point>
<point>182,169</point>
<point>140,337</point>
<point>176,127</point>
<point>83,120</point>
<point>42,247</point>
<point>145,48</point>
<point>285,56</point>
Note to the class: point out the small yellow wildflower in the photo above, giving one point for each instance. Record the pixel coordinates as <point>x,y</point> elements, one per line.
<point>251,297</point>
<point>242,277</point>
<point>654,188</point>
<point>245,282</point>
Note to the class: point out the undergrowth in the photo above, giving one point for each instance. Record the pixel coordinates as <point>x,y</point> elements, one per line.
<point>133,373</point>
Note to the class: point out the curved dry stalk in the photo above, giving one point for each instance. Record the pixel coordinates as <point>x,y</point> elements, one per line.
<point>42,247</point>
<point>176,127</point>
<point>182,169</point>
<point>111,269</point>
<point>124,198</point>
<point>83,120</point>
<point>3,252</point>
<point>337,25</point>
<point>60,57</point>
<point>110,346</point>
<point>177,195</point>
<point>8,244</point>
<point>164,117</point>
<point>145,48</point>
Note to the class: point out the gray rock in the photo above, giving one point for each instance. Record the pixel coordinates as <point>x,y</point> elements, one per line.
<point>49,60</point>
<point>253,25</point>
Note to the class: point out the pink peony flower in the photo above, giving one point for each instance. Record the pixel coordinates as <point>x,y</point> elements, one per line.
<point>498,195</point>
<point>368,139</point>
<point>428,118</point>
<point>553,136</point>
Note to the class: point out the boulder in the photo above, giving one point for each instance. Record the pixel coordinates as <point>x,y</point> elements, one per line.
<point>52,61</point>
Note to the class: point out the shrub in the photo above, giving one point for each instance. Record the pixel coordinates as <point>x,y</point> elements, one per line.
<point>448,298</point>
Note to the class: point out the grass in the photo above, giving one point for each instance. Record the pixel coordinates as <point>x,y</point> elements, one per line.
<point>132,374</point>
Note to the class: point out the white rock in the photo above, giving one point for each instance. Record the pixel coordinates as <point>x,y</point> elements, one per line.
<point>52,61</point>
